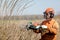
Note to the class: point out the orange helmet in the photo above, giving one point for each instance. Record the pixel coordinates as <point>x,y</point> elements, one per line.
<point>49,9</point>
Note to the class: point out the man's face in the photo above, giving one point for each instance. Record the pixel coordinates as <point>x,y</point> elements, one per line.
<point>47,16</point>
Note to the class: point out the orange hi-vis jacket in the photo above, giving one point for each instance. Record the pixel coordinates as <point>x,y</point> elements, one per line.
<point>53,28</point>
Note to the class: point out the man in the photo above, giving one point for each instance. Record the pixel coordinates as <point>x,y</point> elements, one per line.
<point>52,26</point>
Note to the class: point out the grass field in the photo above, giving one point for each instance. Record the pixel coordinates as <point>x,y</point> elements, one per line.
<point>15,30</point>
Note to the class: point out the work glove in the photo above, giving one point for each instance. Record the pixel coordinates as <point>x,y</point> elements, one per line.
<point>44,29</point>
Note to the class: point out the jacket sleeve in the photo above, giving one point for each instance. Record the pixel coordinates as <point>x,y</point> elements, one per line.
<point>54,29</point>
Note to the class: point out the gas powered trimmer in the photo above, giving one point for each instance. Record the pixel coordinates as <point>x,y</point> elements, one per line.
<point>36,26</point>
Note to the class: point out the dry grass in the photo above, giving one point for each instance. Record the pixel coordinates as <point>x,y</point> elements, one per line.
<point>15,30</point>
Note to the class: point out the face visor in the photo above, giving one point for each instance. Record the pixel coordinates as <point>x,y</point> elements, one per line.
<point>48,15</point>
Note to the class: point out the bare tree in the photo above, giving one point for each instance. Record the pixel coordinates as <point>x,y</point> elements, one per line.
<point>7,7</point>
<point>25,6</point>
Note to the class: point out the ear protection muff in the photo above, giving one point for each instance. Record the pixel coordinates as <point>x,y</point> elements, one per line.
<point>51,15</point>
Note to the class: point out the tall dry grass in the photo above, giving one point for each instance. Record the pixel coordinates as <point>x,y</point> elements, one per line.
<point>15,30</point>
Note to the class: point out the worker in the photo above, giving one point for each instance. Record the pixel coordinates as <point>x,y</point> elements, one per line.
<point>52,25</point>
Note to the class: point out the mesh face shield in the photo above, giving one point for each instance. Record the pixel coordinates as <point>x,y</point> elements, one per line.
<point>50,13</point>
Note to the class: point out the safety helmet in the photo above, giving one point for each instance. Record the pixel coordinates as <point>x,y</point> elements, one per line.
<point>49,10</point>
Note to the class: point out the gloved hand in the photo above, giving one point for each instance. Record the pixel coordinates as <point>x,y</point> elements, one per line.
<point>44,29</point>
<point>43,26</point>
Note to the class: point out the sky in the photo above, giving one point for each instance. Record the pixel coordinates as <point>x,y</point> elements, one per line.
<point>39,6</point>
<point>36,7</point>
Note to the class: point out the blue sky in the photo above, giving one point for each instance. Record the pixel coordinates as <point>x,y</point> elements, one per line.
<point>39,7</point>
